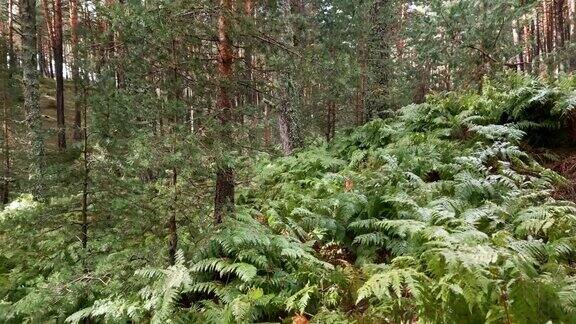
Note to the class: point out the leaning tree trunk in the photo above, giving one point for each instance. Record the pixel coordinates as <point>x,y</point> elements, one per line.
<point>31,95</point>
<point>224,191</point>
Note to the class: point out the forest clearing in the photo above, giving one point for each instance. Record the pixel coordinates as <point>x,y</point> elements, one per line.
<point>288,161</point>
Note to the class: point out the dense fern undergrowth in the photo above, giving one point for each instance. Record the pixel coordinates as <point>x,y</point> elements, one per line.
<point>437,215</point>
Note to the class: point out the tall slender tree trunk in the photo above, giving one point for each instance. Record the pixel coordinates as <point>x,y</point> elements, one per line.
<point>172,226</point>
<point>423,83</point>
<point>330,120</point>
<point>13,60</point>
<point>526,38</point>
<point>559,30</point>
<point>50,64</point>
<point>31,95</point>
<point>85,183</point>
<point>224,191</point>
<point>267,132</point>
<point>516,40</point>
<point>540,41</point>
<point>361,93</point>
<point>50,30</point>
<point>42,57</point>
<point>288,125</point>
<point>6,147</point>
<point>6,84</point>
<point>382,18</point>
<point>250,95</point>
<point>115,50</point>
<point>59,71</point>
<point>572,30</point>
<point>76,135</point>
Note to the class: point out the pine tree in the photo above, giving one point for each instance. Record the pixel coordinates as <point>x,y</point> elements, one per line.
<point>31,95</point>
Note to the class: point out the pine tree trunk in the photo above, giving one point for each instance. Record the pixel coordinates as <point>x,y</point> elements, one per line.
<point>115,50</point>
<point>6,84</point>
<point>526,38</point>
<point>516,40</point>
<point>42,57</point>
<point>31,95</point>
<point>50,38</point>
<point>224,191</point>
<point>250,95</point>
<point>59,70</point>
<point>540,40</point>
<point>13,60</point>
<point>361,93</point>
<point>267,133</point>
<point>381,18</point>
<point>86,164</point>
<point>288,125</point>
<point>572,30</point>
<point>76,135</point>
<point>6,147</point>
<point>172,226</point>
<point>330,120</point>
<point>559,30</point>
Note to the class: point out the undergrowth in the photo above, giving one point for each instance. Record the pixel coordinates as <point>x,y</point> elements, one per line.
<point>435,215</point>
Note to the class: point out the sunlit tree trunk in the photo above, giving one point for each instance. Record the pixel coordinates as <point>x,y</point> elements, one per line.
<point>31,95</point>
<point>224,191</point>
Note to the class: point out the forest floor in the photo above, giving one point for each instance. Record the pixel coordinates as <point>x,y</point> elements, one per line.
<point>566,166</point>
<point>48,108</point>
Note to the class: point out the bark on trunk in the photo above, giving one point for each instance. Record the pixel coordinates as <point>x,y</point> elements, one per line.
<point>516,40</point>
<point>6,79</point>
<point>77,132</point>
<point>31,95</point>
<point>172,226</point>
<point>11,51</point>
<point>330,120</point>
<point>42,57</point>
<point>224,191</point>
<point>59,71</point>
<point>361,93</point>
<point>250,95</point>
<point>288,125</point>
<point>572,29</point>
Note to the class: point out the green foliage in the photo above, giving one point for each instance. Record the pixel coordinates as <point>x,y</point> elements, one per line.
<point>435,214</point>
